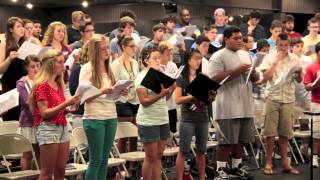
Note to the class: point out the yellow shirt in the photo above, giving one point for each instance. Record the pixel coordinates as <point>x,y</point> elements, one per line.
<point>308,41</point>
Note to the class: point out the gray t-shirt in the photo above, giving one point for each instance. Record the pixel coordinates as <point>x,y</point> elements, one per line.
<point>234,98</point>
<point>194,110</point>
<point>115,49</point>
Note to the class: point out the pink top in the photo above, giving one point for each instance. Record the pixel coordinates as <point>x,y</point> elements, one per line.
<point>44,92</point>
<point>310,76</point>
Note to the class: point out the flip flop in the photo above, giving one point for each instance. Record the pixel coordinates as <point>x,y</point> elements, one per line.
<point>291,170</point>
<point>268,171</point>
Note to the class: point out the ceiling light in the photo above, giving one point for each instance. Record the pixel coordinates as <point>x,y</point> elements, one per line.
<point>29,5</point>
<point>85,4</point>
<point>14,1</point>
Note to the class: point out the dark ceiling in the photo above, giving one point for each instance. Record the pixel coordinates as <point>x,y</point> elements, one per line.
<point>69,3</point>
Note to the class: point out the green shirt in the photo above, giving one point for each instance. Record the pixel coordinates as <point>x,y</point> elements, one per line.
<point>154,114</point>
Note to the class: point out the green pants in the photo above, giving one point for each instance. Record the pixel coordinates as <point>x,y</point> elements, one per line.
<point>100,134</point>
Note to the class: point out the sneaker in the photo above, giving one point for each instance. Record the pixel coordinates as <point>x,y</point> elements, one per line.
<point>222,174</point>
<point>239,172</point>
<point>315,162</point>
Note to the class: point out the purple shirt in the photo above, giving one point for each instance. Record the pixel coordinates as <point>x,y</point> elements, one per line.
<point>25,118</point>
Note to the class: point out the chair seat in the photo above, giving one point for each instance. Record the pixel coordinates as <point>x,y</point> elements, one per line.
<point>210,144</point>
<point>302,134</point>
<point>212,130</point>
<point>74,169</point>
<point>133,156</point>
<point>115,162</point>
<point>13,156</point>
<point>171,151</point>
<point>20,174</point>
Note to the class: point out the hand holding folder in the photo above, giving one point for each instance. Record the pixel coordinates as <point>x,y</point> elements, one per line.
<point>202,86</point>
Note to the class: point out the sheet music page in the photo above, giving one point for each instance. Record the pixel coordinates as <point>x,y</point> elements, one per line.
<point>9,100</point>
<point>86,91</point>
<point>28,48</point>
<point>118,87</point>
<point>70,61</point>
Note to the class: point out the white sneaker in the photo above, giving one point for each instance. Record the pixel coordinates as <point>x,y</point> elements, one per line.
<point>315,162</point>
<point>277,156</point>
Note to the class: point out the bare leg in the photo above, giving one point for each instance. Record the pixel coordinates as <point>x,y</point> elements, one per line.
<point>270,144</point>
<point>180,165</point>
<point>61,161</point>
<point>201,165</point>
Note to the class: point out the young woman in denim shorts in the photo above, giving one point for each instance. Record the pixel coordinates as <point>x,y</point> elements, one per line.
<point>152,118</point>
<point>194,117</point>
<point>48,104</point>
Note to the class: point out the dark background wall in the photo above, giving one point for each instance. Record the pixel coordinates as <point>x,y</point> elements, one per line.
<point>106,13</point>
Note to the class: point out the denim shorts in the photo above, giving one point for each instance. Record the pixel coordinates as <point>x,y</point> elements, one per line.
<point>48,133</point>
<point>189,129</point>
<point>149,134</point>
<point>126,109</point>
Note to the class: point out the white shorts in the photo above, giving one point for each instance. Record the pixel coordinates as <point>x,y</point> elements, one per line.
<point>29,133</point>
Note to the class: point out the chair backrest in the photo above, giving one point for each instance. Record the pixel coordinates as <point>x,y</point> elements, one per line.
<point>125,130</point>
<point>9,127</point>
<point>14,144</point>
<point>74,146</point>
<point>80,135</point>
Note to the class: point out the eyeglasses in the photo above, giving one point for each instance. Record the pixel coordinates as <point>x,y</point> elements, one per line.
<point>131,46</point>
<point>89,30</point>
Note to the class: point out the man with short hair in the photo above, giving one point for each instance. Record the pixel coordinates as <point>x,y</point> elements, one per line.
<point>87,31</point>
<point>126,28</point>
<point>275,30</point>
<point>233,108</point>
<point>37,29</point>
<point>220,19</point>
<point>74,31</point>
<point>253,27</point>
<point>312,38</point>
<point>158,34</point>
<point>114,33</point>
<point>280,69</point>
<point>289,26</point>
<point>179,48</point>
<point>312,73</point>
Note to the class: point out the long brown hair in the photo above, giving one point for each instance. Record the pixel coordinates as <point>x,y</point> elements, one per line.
<point>11,43</point>
<point>94,54</point>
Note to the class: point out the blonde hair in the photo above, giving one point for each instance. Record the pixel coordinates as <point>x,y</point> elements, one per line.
<point>94,55</point>
<point>48,36</point>
<point>84,54</point>
<point>77,14</point>
<point>164,45</point>
<point>45,73</point>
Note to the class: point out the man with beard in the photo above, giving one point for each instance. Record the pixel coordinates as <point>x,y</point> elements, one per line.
<point>289,26</point>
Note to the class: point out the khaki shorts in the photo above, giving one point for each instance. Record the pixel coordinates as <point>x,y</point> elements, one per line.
<point>278,119</point>
<point>315,107</point>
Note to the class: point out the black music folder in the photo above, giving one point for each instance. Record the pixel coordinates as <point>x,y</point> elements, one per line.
<point>200,87</point>
<point>155,78</point>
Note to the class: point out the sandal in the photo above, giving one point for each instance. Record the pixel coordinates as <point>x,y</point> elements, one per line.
<point>268,171</point>
<point>291,170</point>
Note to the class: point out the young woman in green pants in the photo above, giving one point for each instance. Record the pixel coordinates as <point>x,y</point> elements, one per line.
<point>100,116</point>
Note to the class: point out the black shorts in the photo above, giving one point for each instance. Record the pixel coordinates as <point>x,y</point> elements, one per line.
<point>126,109</point>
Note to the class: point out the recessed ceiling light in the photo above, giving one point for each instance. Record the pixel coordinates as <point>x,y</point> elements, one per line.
<point>14,1</point>
<point>29,5</point>
<point>85,4</point>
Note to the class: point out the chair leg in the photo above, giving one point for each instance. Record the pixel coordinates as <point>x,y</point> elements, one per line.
<point>300,154</point>
<point>254,155</point>
<point>163,171</point>
<point>293,155</point>
<point>245,151</point>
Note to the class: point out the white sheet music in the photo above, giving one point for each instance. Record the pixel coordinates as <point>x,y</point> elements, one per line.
<point>86,91</point>
<point>118,88</point>
<point>287,75</point>
<point>9,100</point>
<point>70,61</point>
<point>28,48</point>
